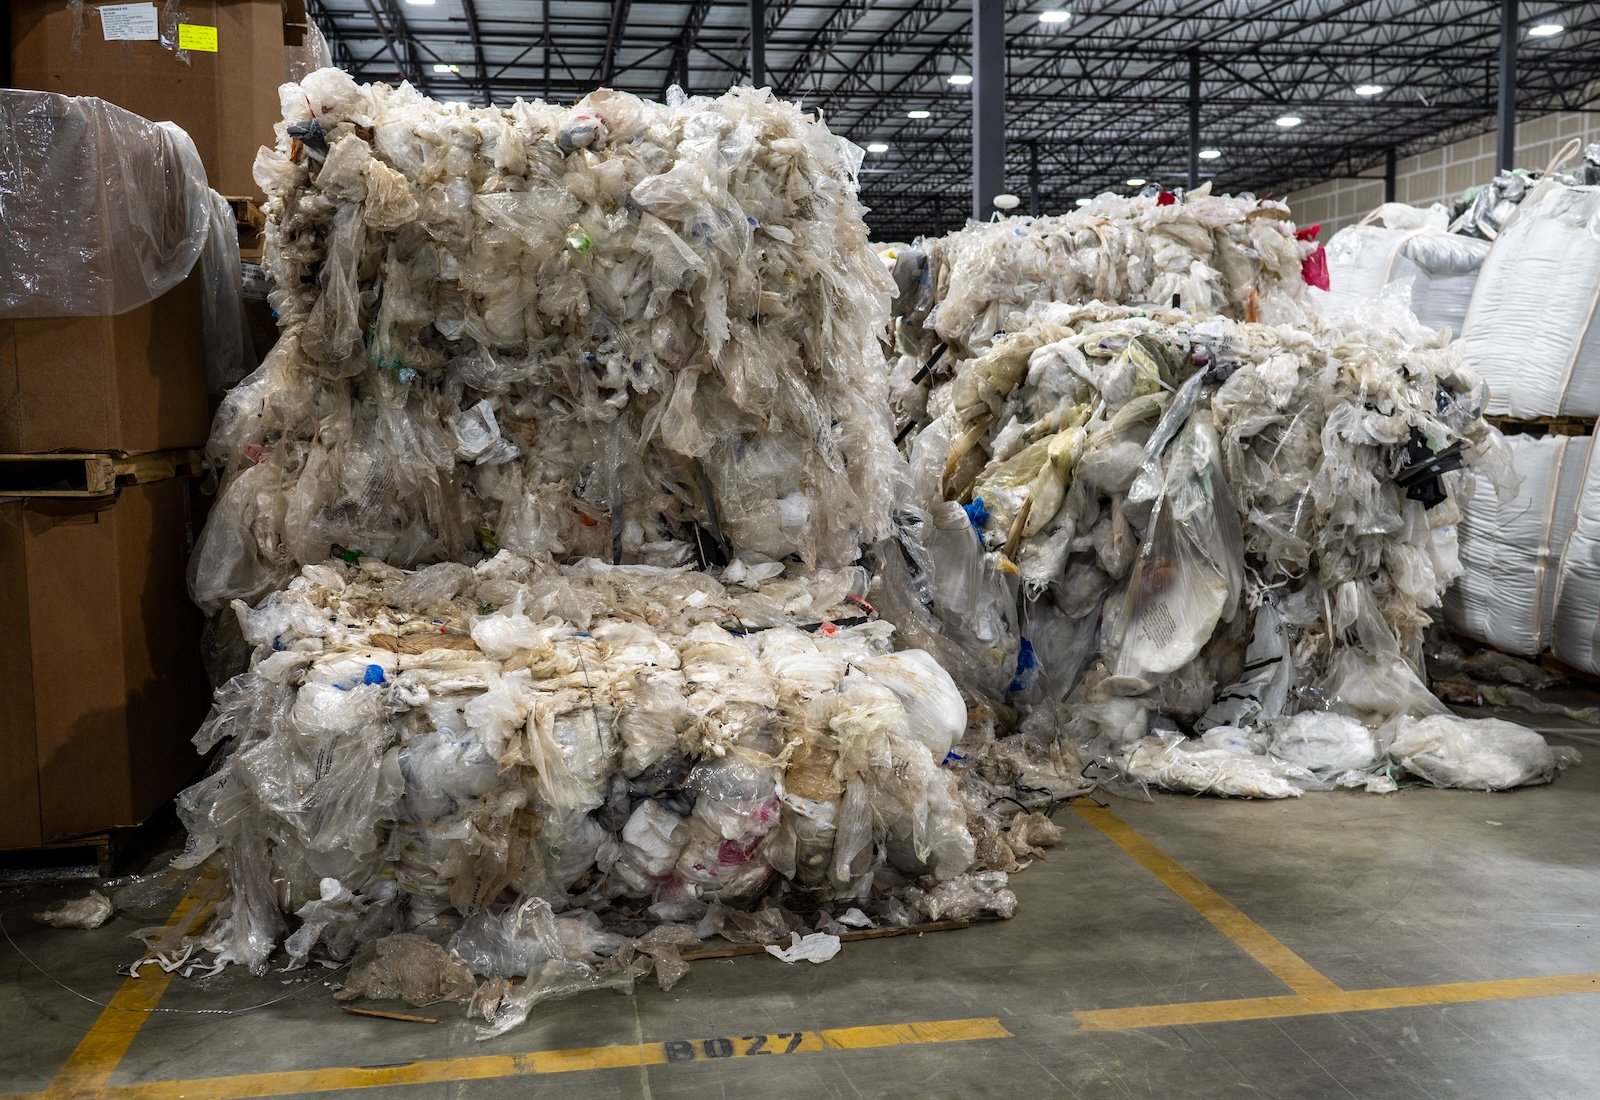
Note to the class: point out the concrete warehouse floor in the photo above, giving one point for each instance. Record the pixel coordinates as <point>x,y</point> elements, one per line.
<point>1424,944</point>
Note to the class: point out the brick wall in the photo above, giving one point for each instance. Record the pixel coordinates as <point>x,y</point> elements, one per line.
<point>1442,174</point>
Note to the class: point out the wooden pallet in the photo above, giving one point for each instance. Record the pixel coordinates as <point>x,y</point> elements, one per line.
<point>1543,425</point>
<point>81,475</point>
<point>252,223</point>
<point>1548,662</point>
<point>63,860</point>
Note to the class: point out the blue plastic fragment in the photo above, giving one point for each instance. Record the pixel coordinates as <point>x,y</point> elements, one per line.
<point>977,513</point>
<point>406,374</point>
<point>374,675</point>
<point>952,757</point>
<point>1026,662</point>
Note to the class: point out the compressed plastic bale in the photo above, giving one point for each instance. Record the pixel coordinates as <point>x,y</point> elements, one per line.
<point>494,309</point>
<point>1215,254</point>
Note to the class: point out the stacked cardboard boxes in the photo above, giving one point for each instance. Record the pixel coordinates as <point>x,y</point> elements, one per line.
<point>213,67</point>
<point>100,418</point>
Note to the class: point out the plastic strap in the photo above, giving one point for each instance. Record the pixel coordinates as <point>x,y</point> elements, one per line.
<point>1541,561</point>
<point>1577,348</point>
<point>1564,154</point>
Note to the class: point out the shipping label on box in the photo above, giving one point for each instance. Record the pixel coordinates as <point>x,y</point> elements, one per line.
<point>129,22</point>
<point>194,36</point>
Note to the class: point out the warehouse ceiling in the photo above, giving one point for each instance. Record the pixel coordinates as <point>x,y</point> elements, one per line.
<point>1091,100</point>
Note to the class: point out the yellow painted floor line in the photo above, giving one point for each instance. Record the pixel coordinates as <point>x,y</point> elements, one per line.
<point>490,1066</point>
<point>1323,1004</point>
<point>97,1055</point>
<point>1254,940</point>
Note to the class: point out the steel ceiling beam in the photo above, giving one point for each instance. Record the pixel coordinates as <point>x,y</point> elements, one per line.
<point>469,9</point>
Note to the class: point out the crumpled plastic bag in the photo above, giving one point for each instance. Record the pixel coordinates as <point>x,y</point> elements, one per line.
<point>817,947</point>
<point>1480,754</point>
<point>86,912</point>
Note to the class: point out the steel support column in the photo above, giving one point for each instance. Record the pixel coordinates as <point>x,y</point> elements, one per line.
<point>1391,162</point>
<point>1506,153</point>
<point>1033,179</point>
<point>1194,119</point>
<point>758,43</point>
<point>988,105</point>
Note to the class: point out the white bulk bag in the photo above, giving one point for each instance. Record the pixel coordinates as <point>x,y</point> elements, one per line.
<point>1575,636</point>
<point>1530,330</point>
<point>1443,268</point>
<point>1410,248</point>
<point>1511,551</point>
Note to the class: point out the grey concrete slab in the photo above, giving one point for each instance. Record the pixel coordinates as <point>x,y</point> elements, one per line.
<point>1418,887</point>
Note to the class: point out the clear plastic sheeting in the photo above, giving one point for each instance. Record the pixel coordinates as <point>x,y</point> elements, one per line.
<point>1533,330</point>
<point>1512,551</point>
<point>1483,754</point>
<point>85,912</point>
<point>621,329</point>
<point>101,210</point>
<point>1214,527</point>
<point>546,776</point>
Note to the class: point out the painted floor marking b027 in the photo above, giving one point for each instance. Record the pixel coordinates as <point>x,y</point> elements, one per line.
<point>539,1063</point>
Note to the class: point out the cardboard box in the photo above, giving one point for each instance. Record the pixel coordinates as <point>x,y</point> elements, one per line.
<point>227,100</point>
<point>134,382</point>
<point>99,662</point>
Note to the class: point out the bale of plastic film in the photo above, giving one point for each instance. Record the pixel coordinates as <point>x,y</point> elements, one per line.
<point>620,329</point>
<point>1237,256</point>
<point>543,775</point>
<point>1212,524</point>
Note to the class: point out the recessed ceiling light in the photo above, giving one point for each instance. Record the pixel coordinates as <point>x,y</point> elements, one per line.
<point>1136,181</point>
<point>1369,89</point>
<point>1083,200</point>
<point>877,147</point>
<point>447,68</point>
<point>960,79</point>
<point>421,3</point>
<point>1057,16</point>
<point>1545,30</point>
<point>1210,154</point>
<point>919,114</point>
<point>1289,122</point>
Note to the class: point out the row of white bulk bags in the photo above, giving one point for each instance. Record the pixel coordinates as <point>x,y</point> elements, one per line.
<point>1531,330</point>
<point>1576,638</point>
<point>1411,248</point>
<point>1511,552</point>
